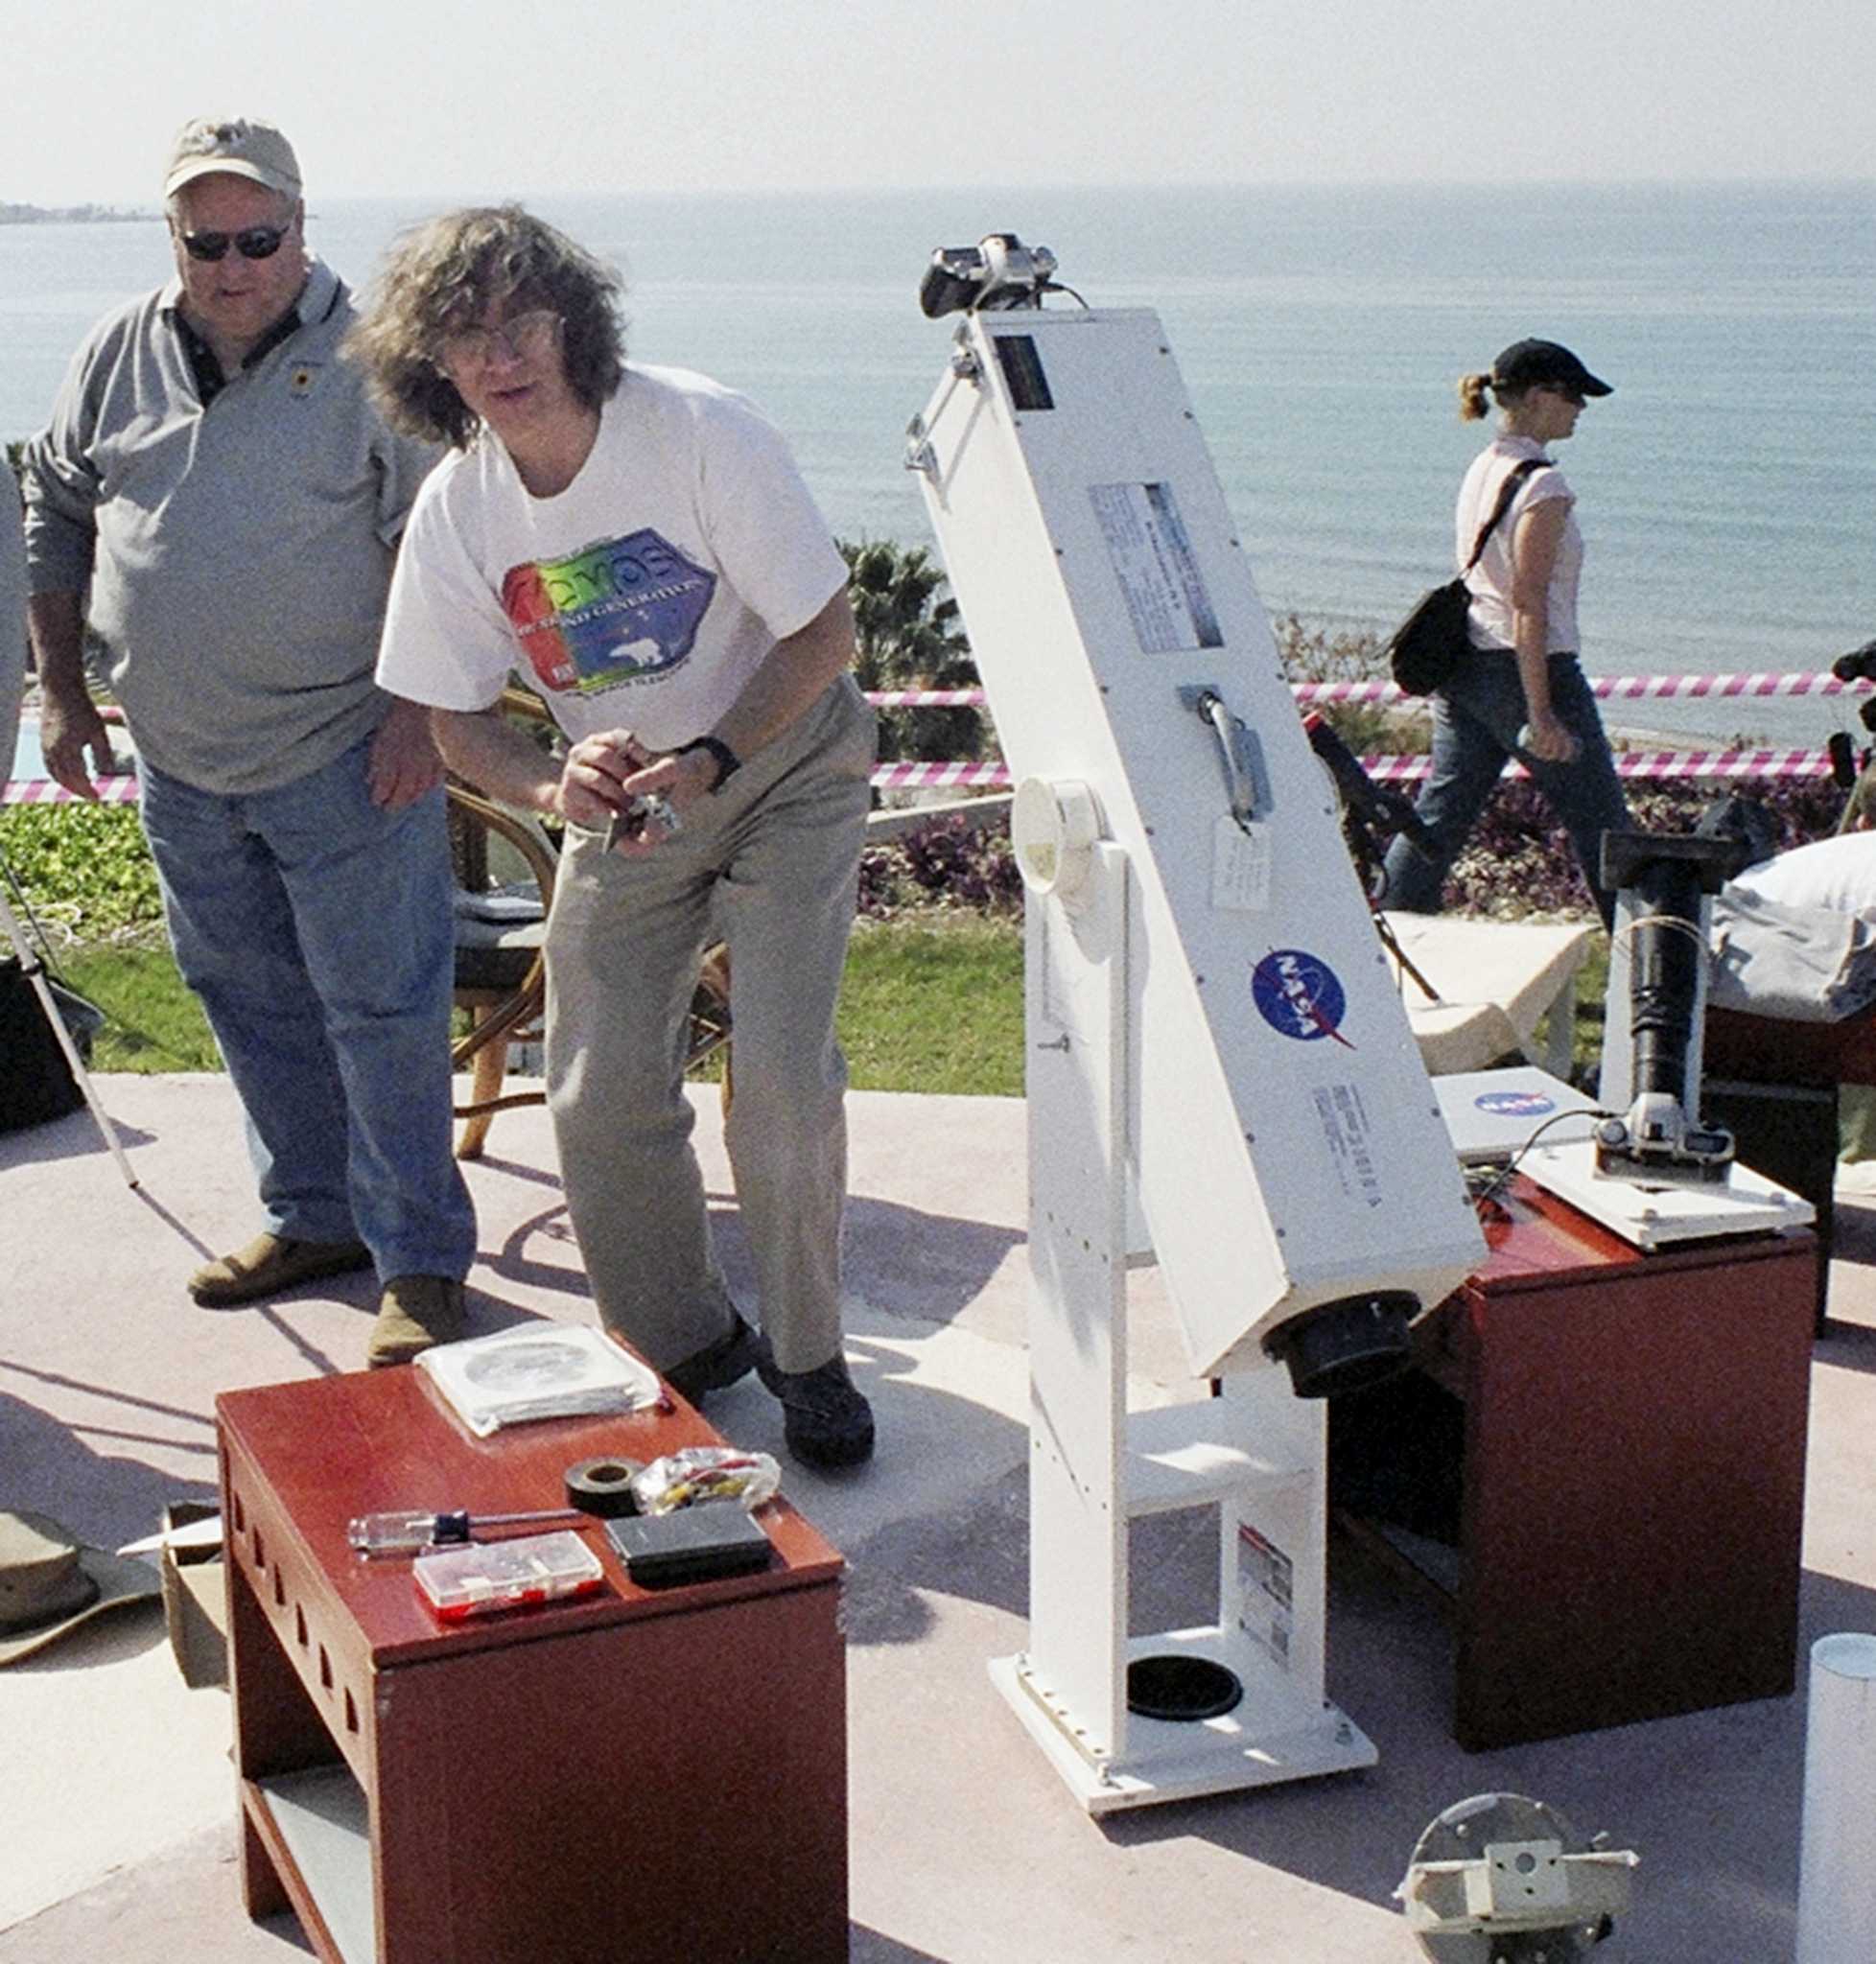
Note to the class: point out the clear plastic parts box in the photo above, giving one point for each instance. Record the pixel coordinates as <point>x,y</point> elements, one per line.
<point>489,1575</point>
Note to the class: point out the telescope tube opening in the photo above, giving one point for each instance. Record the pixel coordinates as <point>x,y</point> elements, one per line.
<point>1347,1345</point>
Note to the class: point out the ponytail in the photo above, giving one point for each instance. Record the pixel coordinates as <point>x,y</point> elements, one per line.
<point>1472,404</point>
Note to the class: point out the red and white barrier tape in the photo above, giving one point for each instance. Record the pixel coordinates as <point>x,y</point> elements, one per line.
<point>1610,688</point>
<point>1630,763</point>
<point>1651,765</point>
<point>904,777</point>
<point>926,698</point>
<point>1620,688</point>
<point>43,791</point>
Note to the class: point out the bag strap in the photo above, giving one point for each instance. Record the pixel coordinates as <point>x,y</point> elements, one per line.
<point>1507,492</point>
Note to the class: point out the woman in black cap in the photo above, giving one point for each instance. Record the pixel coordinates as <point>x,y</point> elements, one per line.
<point>1521,690</point>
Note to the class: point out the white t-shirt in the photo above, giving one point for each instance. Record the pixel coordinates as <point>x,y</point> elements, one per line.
<point>643,597</point>
<point>1837,873</point>
<point>1490,617</point>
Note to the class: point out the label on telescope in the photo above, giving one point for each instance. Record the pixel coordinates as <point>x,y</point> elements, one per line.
<point>1022,372</point>
<point>1240,866</point>
<point>1266,1586</point>
<point>1158,571</point>
<point>1300,995</point>
<point>1348,1134</point>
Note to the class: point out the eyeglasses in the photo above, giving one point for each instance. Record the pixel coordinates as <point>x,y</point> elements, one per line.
<point>1575,397</point>
<point>522,338</point>
<point>256,242</point>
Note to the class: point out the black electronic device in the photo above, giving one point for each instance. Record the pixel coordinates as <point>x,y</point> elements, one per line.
<point>998,272</point>
<point>1664,876</point>
<point>691,1544</point>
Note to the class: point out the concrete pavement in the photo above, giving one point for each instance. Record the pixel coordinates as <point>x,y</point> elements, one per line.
<point>116,1809</point>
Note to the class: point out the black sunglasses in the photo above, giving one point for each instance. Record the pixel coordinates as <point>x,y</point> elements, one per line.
<point>257,242</point>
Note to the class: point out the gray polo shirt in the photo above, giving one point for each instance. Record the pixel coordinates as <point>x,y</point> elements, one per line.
<point>237,555</point>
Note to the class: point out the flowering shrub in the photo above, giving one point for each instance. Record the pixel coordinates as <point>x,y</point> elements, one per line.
<point>944,863</point>
<point>1322,654</point>
<point>83,868</point>
<point>1518,860</point>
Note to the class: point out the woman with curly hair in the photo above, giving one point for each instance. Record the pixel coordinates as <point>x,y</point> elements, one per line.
<point>1520,691</point>
<point>638,542</point>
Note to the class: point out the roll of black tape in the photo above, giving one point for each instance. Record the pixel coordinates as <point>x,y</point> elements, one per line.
<point>602,1488</point>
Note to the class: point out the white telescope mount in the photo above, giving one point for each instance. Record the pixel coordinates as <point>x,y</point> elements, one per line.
<point>1219,1069</point>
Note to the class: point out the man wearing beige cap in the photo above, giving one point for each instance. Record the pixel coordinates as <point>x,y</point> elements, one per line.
<point>217,493</point>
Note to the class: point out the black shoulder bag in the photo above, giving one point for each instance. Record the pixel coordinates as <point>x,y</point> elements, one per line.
<point>1427,646</point>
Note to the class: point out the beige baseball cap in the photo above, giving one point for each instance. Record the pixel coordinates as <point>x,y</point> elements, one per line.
<point>237,147</point>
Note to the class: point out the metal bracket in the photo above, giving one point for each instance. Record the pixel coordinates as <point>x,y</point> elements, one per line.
<point>1501,1877</point>
<point>1238,749</point>
<point>920,456</point>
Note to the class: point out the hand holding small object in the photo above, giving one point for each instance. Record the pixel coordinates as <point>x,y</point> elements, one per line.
<point>1548,741</point>
<point>649,807</point>
<point>592,791</point>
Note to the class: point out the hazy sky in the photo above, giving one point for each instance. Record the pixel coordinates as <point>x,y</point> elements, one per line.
<point>471,96</point>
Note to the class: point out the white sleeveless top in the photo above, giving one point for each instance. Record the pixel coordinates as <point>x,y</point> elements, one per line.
<point>1489,582</point>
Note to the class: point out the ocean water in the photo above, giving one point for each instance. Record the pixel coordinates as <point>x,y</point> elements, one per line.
<point>1726,491</point>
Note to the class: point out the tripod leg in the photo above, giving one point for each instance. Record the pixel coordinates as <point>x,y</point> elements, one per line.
<point>35,973</point>
<point>1392,943</point>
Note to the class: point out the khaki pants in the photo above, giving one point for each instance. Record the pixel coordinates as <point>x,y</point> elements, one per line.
<point>769,864</point>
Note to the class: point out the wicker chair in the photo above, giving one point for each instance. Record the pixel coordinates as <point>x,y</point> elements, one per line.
<point>501,977</point>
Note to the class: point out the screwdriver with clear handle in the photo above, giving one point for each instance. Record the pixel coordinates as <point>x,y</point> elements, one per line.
<point>406,1533</point>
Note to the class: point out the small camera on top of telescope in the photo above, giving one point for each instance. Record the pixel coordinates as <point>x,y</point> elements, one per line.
<point>1000,272</point>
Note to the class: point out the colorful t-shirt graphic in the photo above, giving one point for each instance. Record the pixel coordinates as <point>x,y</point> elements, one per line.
<point>616,612</point>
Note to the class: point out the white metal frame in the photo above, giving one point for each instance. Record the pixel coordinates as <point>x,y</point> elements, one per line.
<point>1255,1452</point>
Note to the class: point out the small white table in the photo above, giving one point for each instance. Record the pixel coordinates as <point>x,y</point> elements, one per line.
<point>1495,981</point>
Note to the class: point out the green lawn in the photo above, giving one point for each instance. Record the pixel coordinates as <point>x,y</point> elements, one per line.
<point>930,1004</point>
<point>153,1022</point>
<point>934,1007</point>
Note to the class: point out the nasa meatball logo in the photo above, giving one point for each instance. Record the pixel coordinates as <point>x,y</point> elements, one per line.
<point>1300,995</point>
<point>1514,1104</point>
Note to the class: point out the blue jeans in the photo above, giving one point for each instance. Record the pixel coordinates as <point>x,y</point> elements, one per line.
<point>316,928</point>
<point>1476,719</point>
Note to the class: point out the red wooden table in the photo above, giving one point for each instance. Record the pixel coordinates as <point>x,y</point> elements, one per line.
<point>1633,1487</point>
<point>628,1779</point>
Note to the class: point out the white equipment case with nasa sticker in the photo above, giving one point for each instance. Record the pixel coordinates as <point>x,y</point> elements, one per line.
<point>1496,1114</point>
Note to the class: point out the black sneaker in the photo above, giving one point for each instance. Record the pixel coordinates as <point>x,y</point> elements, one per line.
<point>825,1416</point>
<point>718,1366</point>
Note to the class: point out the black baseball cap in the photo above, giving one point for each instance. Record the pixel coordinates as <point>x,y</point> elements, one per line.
<point>1525,365</point>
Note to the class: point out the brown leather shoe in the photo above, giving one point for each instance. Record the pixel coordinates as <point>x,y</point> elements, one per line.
<point>415,1312</point>
<point>271,1263</point>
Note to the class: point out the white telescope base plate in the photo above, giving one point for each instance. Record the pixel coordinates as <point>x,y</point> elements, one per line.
<point>1654,1212</point>
<point>1258,1743</point>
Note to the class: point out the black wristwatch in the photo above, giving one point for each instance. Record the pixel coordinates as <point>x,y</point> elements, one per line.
<point>727,763</point>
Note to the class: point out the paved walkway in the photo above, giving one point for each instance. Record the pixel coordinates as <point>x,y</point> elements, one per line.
<point>116,1807</point>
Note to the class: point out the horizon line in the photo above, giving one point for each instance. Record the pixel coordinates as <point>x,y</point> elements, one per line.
<point>773,194</point>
